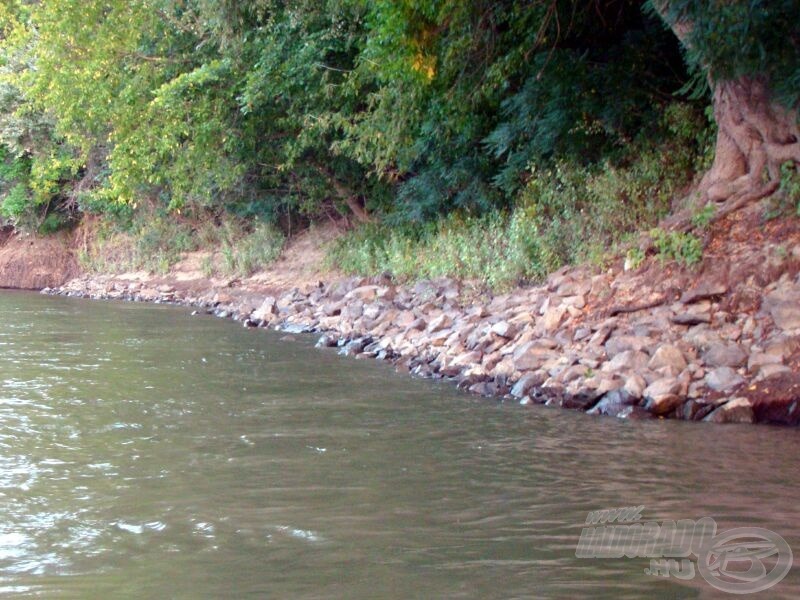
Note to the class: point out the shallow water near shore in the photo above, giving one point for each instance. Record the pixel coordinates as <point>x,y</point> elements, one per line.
<point>146,453</point>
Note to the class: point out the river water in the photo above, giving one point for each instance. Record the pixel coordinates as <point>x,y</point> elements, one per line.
<point>146,453</point>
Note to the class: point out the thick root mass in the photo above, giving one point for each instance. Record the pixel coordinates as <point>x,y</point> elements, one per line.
<point>755,137</point>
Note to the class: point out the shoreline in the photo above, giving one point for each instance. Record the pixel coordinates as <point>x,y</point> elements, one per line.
<point>571,342</point>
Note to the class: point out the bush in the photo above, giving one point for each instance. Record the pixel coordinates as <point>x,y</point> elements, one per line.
<point>159,243</point>
<point>684,248</point>
<point>244,254</point>
<point>16,205</point>
<point>53,223</point>
<point>496,250</point>
<point>566,214</point>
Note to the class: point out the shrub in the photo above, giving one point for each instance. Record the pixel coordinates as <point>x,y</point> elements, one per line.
<point>684,248</point>
<point>244,254</point>
<point>565,214</point>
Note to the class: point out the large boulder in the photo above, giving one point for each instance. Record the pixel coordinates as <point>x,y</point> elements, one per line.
<point>725,354</point>
<point>668,355</point>
<point>784,307</point>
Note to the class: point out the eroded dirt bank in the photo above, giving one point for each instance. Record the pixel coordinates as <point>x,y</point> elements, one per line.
<point>719,343</point>
<point>32,262</point>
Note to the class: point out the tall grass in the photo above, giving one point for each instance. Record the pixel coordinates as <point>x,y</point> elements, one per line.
<point>158,243</point>
<point>566,214</point>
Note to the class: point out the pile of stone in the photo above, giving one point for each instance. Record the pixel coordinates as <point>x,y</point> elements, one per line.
<point>682,356</point>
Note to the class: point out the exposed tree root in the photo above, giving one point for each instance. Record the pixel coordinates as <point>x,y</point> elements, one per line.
<point>756,137</point>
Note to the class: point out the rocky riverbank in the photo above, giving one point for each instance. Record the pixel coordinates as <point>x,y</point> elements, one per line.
<point>706,346</point>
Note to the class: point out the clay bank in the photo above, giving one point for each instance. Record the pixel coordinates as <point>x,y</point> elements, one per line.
<point>622,345</point>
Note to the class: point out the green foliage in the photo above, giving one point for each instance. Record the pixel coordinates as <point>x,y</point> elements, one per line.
<point>787,199</point>
<point>244,254</point>
<point>264,107</point>
<point>495,250</point>
<point>52,223</point>
<point>757,38</point>
<point>161,239</point>
<point>566,214</point>
<point>16,203</point>
<point>153,242</point>
<point>634,258</point>
<point>790,185</point>
<point>703,218</point>
<point>684,248</point>
<point>493,140</point>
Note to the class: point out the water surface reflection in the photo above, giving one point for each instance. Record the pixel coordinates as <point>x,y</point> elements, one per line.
<point>145,453</point>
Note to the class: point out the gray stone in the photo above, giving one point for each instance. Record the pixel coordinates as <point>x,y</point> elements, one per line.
<point>531,357</point>
<point>467,359</point>
<point>354,347</point>
<point>691,318</point>
<point>782,347</point>
<point>373,311</point>
<point>704,290</point>
<point>784,307</point>
<point>612,404</point>
<point>526,383</point>
<point>573,373</point>
<point>581,334</point>
<point>701,337</point>
<point>404,318</point>
<point>568,287</point>
<point>504,329</point>
<point>738,410</point>
<point>662,395</point>
<point>592,363</point>
<point>761,359</point>
<point>584,399</point>
<point>353,310</point>
<point>668,355</point>
<point>552,318</point>
<point>723,379</point>
<point>626,361</point>
<point>772,370</point>
<point>441,322</point>
<point>365,293</point>
<point>635,386</point>
<point>621,343</point>
<point>578,301</point>
<point>332,309</point>
<point>722,354</point>
<point>601,335</point>
<point>267,311</point>
<point>327,341</point>
<point>484,388</point>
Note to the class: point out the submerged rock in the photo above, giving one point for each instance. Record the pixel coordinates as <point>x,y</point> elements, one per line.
<point>738,410</point>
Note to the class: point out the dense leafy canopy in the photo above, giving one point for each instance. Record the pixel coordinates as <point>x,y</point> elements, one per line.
<point>727,40</point>
<point>265,108</point>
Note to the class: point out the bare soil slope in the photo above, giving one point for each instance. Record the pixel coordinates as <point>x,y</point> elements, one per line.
<point>31,262</point>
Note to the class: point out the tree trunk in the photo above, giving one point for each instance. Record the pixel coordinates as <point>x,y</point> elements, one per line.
<point>756,136</point>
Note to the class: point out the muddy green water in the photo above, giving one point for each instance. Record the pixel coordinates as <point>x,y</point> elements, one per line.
<point>146,453</point>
